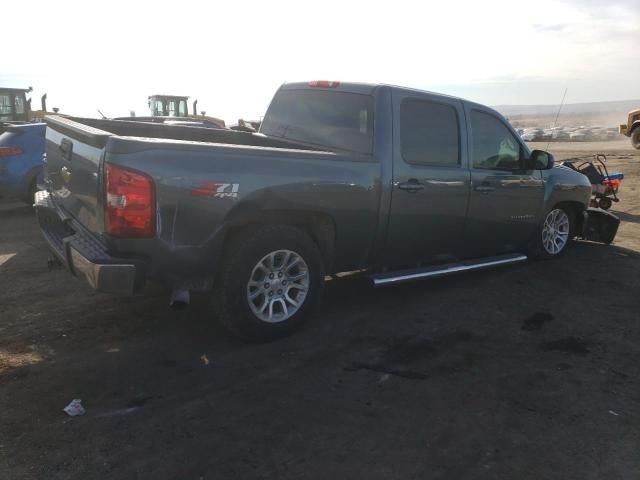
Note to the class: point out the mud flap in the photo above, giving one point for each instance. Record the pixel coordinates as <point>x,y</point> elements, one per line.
<point>600,226</point>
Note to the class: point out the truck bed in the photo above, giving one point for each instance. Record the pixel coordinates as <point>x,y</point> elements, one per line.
<point>100,129</point>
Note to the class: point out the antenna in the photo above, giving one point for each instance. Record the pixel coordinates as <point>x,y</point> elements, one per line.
<point>557,115</point>
<point>103,115</point>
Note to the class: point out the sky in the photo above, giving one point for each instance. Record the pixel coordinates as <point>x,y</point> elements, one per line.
<point>233,55</point>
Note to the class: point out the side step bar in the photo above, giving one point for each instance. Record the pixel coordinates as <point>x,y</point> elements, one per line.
<point>400,276</point>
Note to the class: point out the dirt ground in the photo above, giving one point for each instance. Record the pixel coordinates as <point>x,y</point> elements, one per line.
<point>527,372</point>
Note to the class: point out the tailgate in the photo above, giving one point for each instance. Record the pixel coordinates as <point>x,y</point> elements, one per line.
<point>72,170</point>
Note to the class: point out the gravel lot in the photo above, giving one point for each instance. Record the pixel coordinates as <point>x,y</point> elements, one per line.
<point>527,372</point>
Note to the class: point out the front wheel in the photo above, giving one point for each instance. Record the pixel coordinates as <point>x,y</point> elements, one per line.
<point>635,138</point>
<point>554,234</point>
<point>270,283</point>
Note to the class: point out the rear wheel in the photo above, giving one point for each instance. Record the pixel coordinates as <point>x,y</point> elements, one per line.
<point>270,283</point>
<point>29,196</point>
<point>604,203</point>
<point>635,138</point>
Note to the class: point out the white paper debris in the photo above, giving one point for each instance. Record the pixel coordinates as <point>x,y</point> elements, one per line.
<point>204,359</point>
<point>614,413</point>
<point>74,408</point>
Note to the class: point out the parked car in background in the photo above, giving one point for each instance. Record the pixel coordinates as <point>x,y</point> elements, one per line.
<point>534,135</point>
<point>559,135</point>
<point>404,183</point>
<point>547,134</point>
<point>21,151</point>
<point>581,135</point>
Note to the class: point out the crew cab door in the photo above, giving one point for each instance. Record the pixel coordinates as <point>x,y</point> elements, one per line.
<point>430,179</point>
<point>506,196</point>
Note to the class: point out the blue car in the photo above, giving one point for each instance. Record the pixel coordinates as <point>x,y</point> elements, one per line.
<point>21,152</point>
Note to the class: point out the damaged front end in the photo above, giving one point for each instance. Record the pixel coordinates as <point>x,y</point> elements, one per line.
<point>598,226</point>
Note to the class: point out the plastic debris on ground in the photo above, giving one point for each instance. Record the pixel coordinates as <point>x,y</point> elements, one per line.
<point>74,408</point>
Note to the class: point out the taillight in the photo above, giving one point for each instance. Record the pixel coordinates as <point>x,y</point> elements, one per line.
<point>324,84</point>
<point>10,151</point>
<point>129,203</point>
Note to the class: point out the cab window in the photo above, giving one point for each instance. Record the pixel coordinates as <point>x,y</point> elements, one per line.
<point>158,109</point>
<point>5,105</point>
<point>429,133</point>
<point>494,146</point>
<point>19,105</point>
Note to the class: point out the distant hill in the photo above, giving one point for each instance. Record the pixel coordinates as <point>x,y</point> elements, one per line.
<point>572,114</point>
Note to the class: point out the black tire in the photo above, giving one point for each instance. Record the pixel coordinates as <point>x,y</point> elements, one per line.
<point>635,138</point>
<point>605,203</point>
<point>31,192</point>
<point>538,250</point>
<point>232,285</point>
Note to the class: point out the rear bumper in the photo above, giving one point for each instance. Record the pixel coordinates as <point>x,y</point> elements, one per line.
<point>84,254</point>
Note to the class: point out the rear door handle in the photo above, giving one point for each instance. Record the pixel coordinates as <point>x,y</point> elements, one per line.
<point>484,188</point>
<point>411,185</point>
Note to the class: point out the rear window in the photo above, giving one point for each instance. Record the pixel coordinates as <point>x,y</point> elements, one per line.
<point>337,120</point>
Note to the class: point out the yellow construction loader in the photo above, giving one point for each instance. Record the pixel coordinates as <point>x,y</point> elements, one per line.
<point>632,128</point>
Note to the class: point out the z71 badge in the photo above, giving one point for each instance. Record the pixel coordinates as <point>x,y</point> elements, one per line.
<point>216,190</point>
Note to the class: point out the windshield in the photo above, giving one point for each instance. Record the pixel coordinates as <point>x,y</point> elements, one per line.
<point>169,107</point>
<point>337,120</point>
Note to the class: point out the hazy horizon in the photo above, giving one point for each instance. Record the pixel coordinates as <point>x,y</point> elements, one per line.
<point>232,57</point>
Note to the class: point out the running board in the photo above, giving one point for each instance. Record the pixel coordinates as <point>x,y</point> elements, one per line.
<point>400,276</point>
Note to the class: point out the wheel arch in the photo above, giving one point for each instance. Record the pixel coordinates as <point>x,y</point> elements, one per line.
<point>318,225</point>
<point>27,180</point>
<point>576,211</point>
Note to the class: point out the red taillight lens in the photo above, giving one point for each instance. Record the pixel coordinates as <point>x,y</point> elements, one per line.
<point>324,84</point>
<point>10,151</point>
<point>129,203</point>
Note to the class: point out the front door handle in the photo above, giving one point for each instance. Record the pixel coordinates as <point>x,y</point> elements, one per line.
<point>484,188</point>
<point>411,185</point>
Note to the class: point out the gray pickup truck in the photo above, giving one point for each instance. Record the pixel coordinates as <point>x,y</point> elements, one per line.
<point>402,183</point>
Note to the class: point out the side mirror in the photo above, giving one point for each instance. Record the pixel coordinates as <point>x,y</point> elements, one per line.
<point>541,160</point>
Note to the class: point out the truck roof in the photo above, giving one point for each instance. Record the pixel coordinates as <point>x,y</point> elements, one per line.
<point>15,90</point>
<point>364,88</point>
<point>168,96</point>
<point>369,88</point>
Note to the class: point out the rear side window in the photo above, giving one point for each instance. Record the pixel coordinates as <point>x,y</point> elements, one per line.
<point>429,133</point>
<point>494,146</point>
<point>335,120</point>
